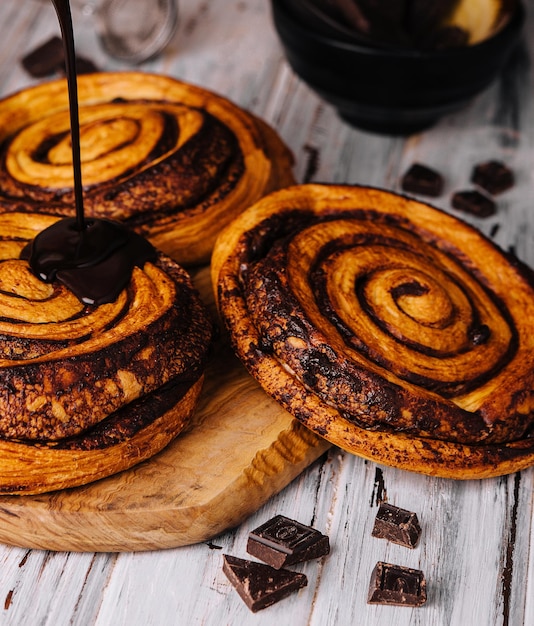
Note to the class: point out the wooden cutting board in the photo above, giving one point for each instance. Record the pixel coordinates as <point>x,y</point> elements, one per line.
<point>242,449</point>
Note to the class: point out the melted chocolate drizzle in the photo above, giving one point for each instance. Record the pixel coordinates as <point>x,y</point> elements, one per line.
<point>95,263</point>
<point>93,258</point>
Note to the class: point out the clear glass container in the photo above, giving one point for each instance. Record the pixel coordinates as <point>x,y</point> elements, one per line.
<point>131,30</point>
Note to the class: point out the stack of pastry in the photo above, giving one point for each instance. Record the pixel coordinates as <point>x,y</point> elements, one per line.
<point>390,328</point>
<point>171,160</point>
<point>87,391</point>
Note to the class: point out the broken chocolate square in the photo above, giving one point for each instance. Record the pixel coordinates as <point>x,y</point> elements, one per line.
<point>46,59</point>
<point>49,58</point>
<point>493,176</point>
<point>397,525</point>
<point>283,541</point>
<point>474,202</point>
<point>260,585</point>
<point>422,180</point>
<point>394,584</point>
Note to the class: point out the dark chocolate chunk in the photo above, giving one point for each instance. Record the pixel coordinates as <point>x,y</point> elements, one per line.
<point>260,585</point>
<point>397,525</point>
<point>394,584</point>
<point>283,541</point>
<point>493,176</point>
<point>422,180</point>
<point>494,230</point>
<point>474,202</point>
<point>46,59</point>
<point>49,58</point>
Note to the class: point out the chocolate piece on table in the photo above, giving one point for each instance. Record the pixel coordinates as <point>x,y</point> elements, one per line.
<point>493,176</point>
<point>46,59</point>
<point>283,541</point>
<point>422,180</point>
<point>397,525</point>
<point>474,202</point>
<point>49,58</point>
<point>260,585</point>
<point>394,584</point>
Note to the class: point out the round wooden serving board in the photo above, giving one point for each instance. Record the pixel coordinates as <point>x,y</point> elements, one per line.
<point>242,449</point>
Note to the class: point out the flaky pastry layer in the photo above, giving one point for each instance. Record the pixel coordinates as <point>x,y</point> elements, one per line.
<point>129,436</point>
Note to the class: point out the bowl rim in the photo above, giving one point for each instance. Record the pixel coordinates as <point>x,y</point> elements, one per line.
<point>513,25</point>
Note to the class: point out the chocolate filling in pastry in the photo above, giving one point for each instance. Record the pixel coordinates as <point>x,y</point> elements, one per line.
<point>389,327</point>
<point>173,161</point>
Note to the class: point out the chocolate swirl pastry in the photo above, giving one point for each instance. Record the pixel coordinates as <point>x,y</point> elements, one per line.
<point>389,327</point>
<point>171,160</point>
<point>88,391</point>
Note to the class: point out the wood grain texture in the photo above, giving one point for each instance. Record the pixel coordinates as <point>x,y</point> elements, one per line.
<point>477,543</point>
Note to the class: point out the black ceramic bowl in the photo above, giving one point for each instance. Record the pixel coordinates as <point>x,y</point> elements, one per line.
<point>387,89</point>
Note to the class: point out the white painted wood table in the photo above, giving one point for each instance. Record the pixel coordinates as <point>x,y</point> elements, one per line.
<point>477,536</point>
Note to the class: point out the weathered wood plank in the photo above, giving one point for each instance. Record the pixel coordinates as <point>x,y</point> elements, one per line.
<point>476,547</point>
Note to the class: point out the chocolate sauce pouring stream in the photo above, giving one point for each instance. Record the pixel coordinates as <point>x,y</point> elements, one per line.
<point>65,23</point>
<point>93,258</point>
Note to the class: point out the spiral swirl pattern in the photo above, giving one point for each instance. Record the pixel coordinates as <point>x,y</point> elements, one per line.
<point>65,366</point>
<point>365,312</point>
<point>173,161</point>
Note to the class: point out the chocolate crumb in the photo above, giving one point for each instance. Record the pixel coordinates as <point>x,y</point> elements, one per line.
<point>8,600</point>
<point>494,230</point>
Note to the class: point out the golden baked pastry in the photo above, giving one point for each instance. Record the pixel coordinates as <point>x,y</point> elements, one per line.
<point>87,391</point>
<point>173,161</point>
<point>389,327</point>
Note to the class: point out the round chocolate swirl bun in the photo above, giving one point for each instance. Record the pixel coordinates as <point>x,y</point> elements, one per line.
<point>171,160</point>
<point>87,391</point>
<point>393,329</point>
